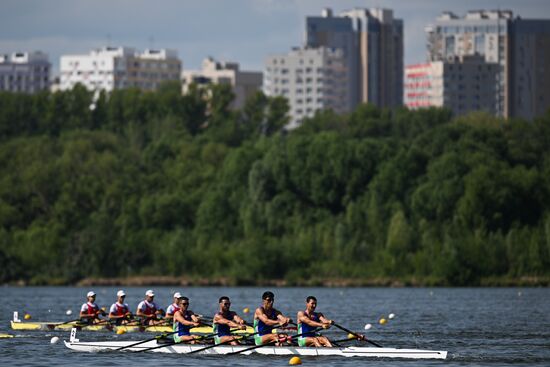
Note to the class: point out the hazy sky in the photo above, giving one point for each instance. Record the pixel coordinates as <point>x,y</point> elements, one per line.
<point>245,31</point>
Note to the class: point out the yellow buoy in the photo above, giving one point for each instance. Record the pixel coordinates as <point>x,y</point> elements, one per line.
<point>246,310</point>
<point>351,336</point>
<point>27,316</point>
<point>120,331</point>
<point>294,361</point>
<point>382,321</point>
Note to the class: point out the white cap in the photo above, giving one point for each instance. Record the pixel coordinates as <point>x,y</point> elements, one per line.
<point>90,294</point>
<point>177,295</point>
<point>150,293</point>
<point>120,293</point>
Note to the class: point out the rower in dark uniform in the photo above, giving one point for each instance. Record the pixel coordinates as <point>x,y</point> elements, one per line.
<point>308,321</point>
<point>184,320</point>
<point>265,318</point>
<point>224,320</point>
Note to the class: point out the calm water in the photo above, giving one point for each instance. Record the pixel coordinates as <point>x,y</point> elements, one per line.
<point>479,327</point>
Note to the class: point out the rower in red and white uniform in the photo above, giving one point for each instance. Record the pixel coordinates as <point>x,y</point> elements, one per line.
<point>119,313</point>
<point>148,310</point>
<point>308,322</point>
<point>173,308</point>
<point>90,311</point>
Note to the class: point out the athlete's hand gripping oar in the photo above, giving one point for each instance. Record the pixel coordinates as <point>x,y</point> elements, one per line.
<point>270,343</point>
<point>359,336</point>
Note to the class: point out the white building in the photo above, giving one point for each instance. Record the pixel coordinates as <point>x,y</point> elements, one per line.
<point>24,72</point>
<point>243,83</point>
<point>463,84</point>
<point>113,68</point>
<point>311,79</point>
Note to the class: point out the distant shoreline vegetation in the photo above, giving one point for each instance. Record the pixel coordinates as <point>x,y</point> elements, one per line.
<point>160,184</point>
<point>142,281</point>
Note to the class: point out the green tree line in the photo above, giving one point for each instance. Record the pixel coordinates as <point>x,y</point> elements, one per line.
<point>141,183</point>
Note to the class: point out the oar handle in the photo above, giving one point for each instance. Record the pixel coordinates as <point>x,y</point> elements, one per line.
<point>357,335</point>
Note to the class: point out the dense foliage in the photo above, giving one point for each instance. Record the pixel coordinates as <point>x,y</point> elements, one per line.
<point>163,184</point>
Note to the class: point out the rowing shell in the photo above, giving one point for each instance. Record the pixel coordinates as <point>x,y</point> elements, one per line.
<point>108,327</point>
<point>267,350</point>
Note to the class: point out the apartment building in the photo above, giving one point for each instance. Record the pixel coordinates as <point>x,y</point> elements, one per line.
<point>25,72</point>
<point>518,46</point>
<point>530,81</point>
<point>311,79</point>
<point>372,43</point>
<point>243,83</point>
<point>111,68</point>
<point>462,84</point>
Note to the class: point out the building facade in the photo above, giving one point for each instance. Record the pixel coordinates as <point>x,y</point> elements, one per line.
<point>463,84</point>
<point>372,42</point>
<point>113,68</point>
<point>311,79</point>
<point>530,92</point>
<point>243,83</point>
<point>25,72</point>
<point>516,45</point>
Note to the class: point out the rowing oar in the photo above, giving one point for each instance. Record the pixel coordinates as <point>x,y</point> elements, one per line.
<point>357,335</point>
<point>53,326</point>
<point>208,336</point>
<point>145,341</point>
<point>270,343</point>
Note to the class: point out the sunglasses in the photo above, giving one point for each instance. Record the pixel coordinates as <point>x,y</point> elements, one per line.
<point>226,303</point>
<point>185,304</point>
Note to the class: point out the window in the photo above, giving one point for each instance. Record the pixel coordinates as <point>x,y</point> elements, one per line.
<point>480,44</point>
<point>449,45</point>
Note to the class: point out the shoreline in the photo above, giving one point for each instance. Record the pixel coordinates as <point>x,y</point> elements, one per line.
<point>412,282</point>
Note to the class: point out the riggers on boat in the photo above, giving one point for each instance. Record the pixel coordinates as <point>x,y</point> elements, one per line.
<point>17,324</point>
<point>108,327</point>
<point>156,346</point>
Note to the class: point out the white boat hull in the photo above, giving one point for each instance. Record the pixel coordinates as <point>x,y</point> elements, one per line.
<point>267,350</point>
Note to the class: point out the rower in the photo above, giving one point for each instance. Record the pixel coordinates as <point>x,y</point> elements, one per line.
<point>173,308</point>
<point>265,318</point>
<point>90,311</point>
<point>308,321</point>
<point>119,313</point>
<point>148,310</point>
<point>224,320</point>
<point>184,319</point>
